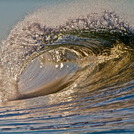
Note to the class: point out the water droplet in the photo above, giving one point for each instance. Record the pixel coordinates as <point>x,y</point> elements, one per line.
<point>56,66</point>
<point>61,65</point>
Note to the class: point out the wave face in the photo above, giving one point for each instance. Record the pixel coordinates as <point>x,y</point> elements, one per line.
<point>76,77</point>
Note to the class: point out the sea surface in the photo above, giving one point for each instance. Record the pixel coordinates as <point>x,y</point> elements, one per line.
<point>67,67</point>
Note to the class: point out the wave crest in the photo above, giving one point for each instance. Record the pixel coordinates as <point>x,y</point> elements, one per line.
<point>103,37</point>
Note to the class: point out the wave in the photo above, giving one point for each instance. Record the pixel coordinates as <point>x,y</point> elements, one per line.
<point>78,76</point>
<point>37,58</point>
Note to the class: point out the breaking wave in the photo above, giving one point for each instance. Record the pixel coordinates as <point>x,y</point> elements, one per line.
<point>84,68</point>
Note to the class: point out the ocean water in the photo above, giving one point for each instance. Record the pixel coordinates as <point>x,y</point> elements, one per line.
<point>67,67</point>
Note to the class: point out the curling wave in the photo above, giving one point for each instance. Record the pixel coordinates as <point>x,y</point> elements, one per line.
<point>87,63</point>
<point>80,42</point>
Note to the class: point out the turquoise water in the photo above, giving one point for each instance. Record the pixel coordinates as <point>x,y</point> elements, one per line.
<point>67,67</point>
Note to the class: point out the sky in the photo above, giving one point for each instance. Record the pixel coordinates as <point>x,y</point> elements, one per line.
<point>13,11</point>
